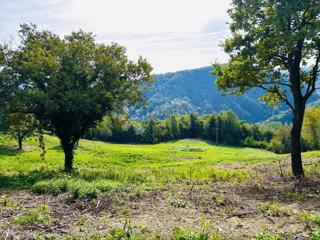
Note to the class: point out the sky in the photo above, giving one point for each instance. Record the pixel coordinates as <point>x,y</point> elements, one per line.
<point>172,34</point>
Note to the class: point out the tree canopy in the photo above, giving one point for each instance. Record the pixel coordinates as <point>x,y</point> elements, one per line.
<point>71,83</point>
<point>274,45</point>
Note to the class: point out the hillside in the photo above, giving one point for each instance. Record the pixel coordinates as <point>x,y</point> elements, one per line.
<point>171,190</point>
<point>91,155</point>
<point>195,91</point>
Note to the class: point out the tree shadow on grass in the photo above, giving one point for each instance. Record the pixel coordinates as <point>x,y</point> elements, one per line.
<point>209,142</point>
<point>25,181</point>
<point>9,150</point>
<point>59,148</point>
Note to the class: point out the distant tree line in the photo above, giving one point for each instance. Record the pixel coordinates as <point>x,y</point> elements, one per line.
<point>223,128</point>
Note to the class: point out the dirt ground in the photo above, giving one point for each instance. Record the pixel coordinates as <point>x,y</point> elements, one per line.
<point>266,204</point>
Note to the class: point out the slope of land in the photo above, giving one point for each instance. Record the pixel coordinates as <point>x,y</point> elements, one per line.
<point>188,189</point>
<point>194,90</point>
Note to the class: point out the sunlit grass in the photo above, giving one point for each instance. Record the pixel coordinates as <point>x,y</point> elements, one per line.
<point>108,166</point>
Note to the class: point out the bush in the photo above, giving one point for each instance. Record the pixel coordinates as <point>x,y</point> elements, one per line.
<point>250,142</point>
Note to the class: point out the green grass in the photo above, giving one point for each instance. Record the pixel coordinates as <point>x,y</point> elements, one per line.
<point>102,167</point>
<point>98,155</point>
<point>275,209</point>
<point>37,215</point>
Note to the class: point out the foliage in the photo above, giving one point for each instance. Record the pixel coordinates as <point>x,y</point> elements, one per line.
<point>181,235</point>
<point>20,126</point>
<point>310,218</point>
<point>271,236</point>
<point>37,215</point>
<point>311,128</point>
<point>71,83</point>
<point>275,209</point>
<point>151,134</point>
<point>223,128</point>
<point>275,46</point>
<point>268,59</point>
<point>315,235</point>
<point>280,142</point>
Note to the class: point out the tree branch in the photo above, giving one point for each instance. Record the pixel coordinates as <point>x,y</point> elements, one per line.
<point>314,77</point>
<point>284,99</point>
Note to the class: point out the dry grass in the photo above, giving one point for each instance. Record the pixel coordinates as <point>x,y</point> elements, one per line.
<point>264,203</point>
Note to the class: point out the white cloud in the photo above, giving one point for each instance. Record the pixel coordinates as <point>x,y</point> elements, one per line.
<point>172,34</point>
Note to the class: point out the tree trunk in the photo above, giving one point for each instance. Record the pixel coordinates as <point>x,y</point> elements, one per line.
<point>68,156</point>
<point>296,160</point>
<point>20,139</point>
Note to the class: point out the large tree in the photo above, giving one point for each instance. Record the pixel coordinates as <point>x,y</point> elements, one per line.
<point>274,45</point>
<point>71,83</point>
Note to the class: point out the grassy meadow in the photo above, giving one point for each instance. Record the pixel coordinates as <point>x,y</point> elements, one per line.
<point>126,165</point>
<point>197,189</point>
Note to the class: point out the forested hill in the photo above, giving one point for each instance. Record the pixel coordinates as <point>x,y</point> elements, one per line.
<point>195,91</point>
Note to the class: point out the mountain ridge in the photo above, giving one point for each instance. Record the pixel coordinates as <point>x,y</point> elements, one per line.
<point>194,90</point>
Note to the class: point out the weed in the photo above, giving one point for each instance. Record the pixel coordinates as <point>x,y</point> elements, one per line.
<point>231,211</point>
<point>5,202</point>
<point>38,215</point>
<point>77,187</point>
<point>54,187</point>
<point>238,222</point>
<point>178,203</point>
<point>270,236</point>
<point>218,199</point>
<point>291,196</point>
<point>179,234</point>
<point>314,235</point>
<point>257,187</point>
<point>309,218</point>
<point>275,209</point>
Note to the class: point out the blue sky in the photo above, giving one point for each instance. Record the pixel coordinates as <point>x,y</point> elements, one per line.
<point>171,34</point>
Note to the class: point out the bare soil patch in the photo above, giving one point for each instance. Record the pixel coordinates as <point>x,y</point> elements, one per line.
<point>260,204</point>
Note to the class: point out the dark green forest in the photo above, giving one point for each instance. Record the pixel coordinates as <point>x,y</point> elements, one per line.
<point>223,128</point>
